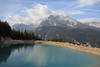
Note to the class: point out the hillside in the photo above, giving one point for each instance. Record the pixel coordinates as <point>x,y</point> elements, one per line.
<point>7,33</point>
<point>69,30</point>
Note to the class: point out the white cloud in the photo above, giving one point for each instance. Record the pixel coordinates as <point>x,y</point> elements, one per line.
<point>83,3</point>
<point>95,22</point>
<point>33,15</point>
<point>76,12</point>
<point>88,20</point>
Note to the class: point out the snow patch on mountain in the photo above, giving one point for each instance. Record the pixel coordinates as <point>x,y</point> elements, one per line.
<point>59,20</point>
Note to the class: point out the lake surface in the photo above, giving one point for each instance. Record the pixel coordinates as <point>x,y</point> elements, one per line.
<point>45,56</point>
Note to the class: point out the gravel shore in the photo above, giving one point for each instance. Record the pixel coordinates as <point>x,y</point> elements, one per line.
<point>88,49</point>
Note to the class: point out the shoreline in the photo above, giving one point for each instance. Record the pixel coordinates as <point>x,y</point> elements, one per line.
<point>7,43</point>
<point>88,49</point>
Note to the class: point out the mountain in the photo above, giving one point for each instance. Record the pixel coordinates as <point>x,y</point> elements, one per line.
<point>64,21</point>
<point>23,27</point>
<point>56,20</point>
<point>94,24</point>
<point>68,29</point>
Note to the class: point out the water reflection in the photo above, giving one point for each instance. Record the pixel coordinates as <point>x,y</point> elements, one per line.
<point>37,56</point>
<point>5,52</point>
<point>50,56</point>
<point>44,56</point>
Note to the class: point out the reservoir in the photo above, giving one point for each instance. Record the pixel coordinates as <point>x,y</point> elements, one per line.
<point>40,55</point>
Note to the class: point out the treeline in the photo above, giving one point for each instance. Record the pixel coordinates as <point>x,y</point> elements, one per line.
<point>6,31</point>
<point>22,35</point>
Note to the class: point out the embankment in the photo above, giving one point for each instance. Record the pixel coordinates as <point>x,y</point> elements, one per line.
<point>88,49</point>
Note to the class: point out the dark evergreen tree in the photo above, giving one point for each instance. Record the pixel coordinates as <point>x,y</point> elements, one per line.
<point>5,29</point>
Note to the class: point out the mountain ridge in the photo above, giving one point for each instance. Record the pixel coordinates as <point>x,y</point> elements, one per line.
<point>68,31</point>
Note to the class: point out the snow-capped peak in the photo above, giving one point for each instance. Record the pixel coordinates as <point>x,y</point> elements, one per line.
<point>59,20</point>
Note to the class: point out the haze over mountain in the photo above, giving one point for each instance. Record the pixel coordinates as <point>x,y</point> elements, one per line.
<point>94,24</point>
<point>57,20</point>
<point>24,27</point>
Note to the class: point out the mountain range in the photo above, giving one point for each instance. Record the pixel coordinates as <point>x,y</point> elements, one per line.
<point>66,29</point>
<point>23,27</point>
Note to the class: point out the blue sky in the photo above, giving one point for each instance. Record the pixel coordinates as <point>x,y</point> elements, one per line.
<point>82,10</point>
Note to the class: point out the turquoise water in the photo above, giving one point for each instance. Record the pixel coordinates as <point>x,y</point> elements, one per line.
<point>45,56</point>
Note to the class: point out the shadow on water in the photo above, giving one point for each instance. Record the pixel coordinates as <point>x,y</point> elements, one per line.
<point>6,51</point>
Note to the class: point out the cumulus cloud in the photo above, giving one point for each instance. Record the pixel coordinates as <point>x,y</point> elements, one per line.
<point>76,12</point>
<point>83,3</point>
<point>87,20</point>
<point>33,15</point>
